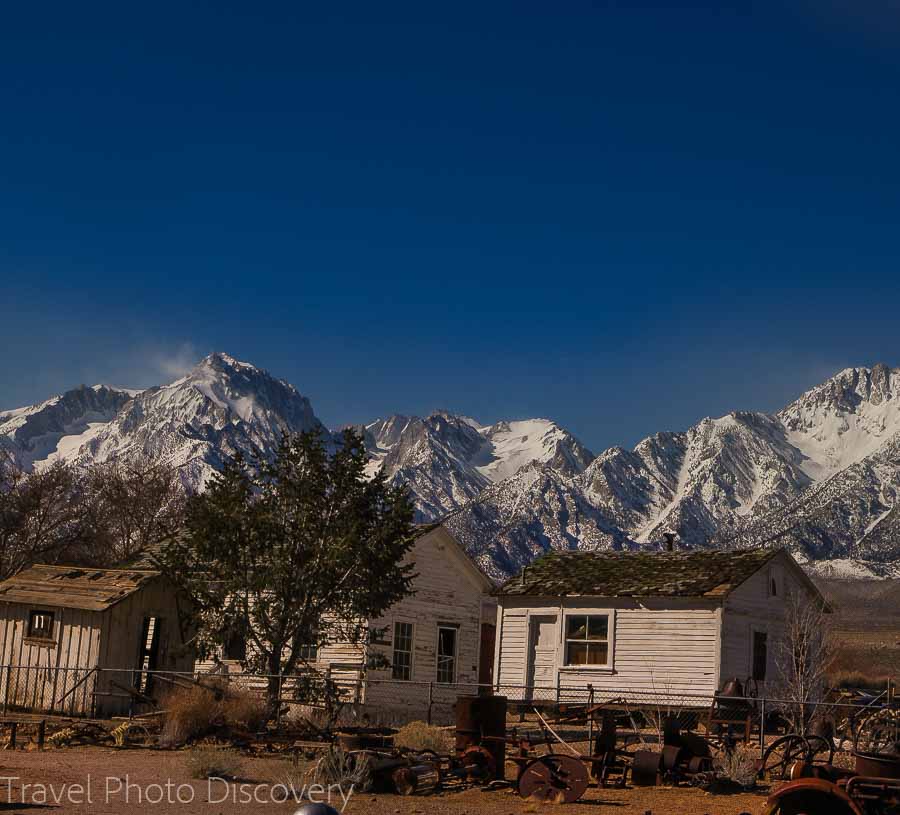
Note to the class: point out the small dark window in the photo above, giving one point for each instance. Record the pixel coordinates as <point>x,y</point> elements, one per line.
<point>774,588</point>
<point>446,654</point>
<point>403,651</point>
<point>235,646</point>
<point>40,625</point>
<point>760,655</point>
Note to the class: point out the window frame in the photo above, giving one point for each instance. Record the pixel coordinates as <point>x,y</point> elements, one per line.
<point>30,632</point>
<point>411,652</point>
<point>565,665</point>
<point>454,627</point>
<point>754,630</point>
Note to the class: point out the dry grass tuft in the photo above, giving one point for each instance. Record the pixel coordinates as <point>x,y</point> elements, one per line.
<point>194,712</point>
<point>738,766</point>
<point>422,736</point>
<point>213,762</point>
<point>348,771</point>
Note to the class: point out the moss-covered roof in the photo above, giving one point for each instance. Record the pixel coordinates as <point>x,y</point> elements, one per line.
<point>637,574</point>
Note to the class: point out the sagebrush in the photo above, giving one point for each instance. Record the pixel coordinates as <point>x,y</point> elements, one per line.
<point>422,736</point>
<point>191,713</point>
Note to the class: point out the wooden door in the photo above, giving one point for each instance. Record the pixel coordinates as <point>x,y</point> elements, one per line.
<point>542,652</point>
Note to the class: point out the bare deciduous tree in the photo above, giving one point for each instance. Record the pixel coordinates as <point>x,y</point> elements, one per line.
<point>801,659</point>
<point>134,506</point>
<point>43,516</point>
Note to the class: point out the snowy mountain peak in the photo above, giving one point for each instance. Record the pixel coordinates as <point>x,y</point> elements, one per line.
<point>845,419</point>
<point>447,460</point>
<point>220,408</point>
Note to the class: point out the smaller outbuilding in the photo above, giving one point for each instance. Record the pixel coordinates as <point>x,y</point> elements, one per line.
<point>79,640</point>
<point>680,622</point>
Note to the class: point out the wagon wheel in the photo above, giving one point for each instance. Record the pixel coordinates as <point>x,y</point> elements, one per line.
<point>557,779</point>
<point>781,754</point>
<point>878,732</point>
<point>821,750</point>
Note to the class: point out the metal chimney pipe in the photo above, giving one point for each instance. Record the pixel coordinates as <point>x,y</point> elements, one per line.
<point>670,541</point>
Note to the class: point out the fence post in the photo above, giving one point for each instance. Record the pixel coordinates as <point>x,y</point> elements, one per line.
<point>6,689</point>
<point>430,701</point>
<point>762,727</point>
<point>278,701</point>
<point>590,718</point>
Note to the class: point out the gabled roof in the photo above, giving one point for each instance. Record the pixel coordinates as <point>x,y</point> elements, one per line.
<point>700,573</point>
<point>74,586</point>
<point>449,539</point>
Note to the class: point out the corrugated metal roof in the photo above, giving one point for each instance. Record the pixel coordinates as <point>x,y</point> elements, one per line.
<point>637,574</point>
<point>73,586</point>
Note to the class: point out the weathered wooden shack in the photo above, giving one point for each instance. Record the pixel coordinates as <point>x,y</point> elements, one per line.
<point>76,640</point>
<point>655,623</point>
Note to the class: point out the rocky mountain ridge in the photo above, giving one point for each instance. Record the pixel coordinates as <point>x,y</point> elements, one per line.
<point>821,476</point>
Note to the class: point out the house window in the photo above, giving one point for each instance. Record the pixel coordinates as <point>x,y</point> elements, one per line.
<point>446,654</point>
<point>40,625</point>
<point>587,639</point>
<point>772,588</point>
<point>309,653</point>
<point>403,651</point>
<point>760,655</point>
<point>236,645</point>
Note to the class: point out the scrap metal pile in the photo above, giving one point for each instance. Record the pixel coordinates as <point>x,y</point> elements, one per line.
<point>550,769</point>
<point>817,786</point>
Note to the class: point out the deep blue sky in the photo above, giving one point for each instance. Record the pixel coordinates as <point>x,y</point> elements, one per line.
<point>624,216</point>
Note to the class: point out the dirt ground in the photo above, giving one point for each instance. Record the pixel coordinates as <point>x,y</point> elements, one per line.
<point>103,780</point>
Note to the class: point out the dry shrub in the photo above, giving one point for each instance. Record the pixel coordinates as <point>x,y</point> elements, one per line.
<point>192,713</point>
<point>738,766</point>
<point>345,770</point>
<point>244,710</point>
<point>213,762</point>
<point>422,736</point>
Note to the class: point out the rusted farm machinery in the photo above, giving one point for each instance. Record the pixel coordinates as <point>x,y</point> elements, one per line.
<point>872,788</point>
<point>614,755</point>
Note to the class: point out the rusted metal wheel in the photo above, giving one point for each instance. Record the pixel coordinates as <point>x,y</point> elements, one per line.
<point>821,749</point>
<point>782,754</point>
<point>556,779</point>
<point>877,732</point>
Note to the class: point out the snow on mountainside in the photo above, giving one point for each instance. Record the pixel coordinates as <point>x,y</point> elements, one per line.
<point>448,460</point>
<point>821,476</point>
<point>220,408</point>
<point>41,433</point>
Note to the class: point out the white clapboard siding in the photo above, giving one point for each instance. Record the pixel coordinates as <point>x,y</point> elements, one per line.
<point>754,606</point>
<point>659,646</point>
<point>448,589</point>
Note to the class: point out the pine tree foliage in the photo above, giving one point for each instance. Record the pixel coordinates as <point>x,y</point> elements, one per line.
<point>293,551</point>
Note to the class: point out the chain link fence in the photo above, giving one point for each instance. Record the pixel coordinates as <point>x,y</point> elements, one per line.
<point>367,700</point>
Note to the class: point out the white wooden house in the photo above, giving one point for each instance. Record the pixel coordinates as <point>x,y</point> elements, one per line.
<point>74,640</point>
<point>435,644</point>
<point>644,622</point>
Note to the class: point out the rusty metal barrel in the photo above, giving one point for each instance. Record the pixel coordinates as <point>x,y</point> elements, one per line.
<point>481,722</point>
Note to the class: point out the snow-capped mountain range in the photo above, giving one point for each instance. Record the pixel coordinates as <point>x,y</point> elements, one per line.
<point>821,476</point>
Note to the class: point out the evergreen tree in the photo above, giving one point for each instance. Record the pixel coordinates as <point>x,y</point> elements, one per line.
<point>291,552</point>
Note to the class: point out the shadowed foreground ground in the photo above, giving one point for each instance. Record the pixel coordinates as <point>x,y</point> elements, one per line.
<point>109,769</point>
